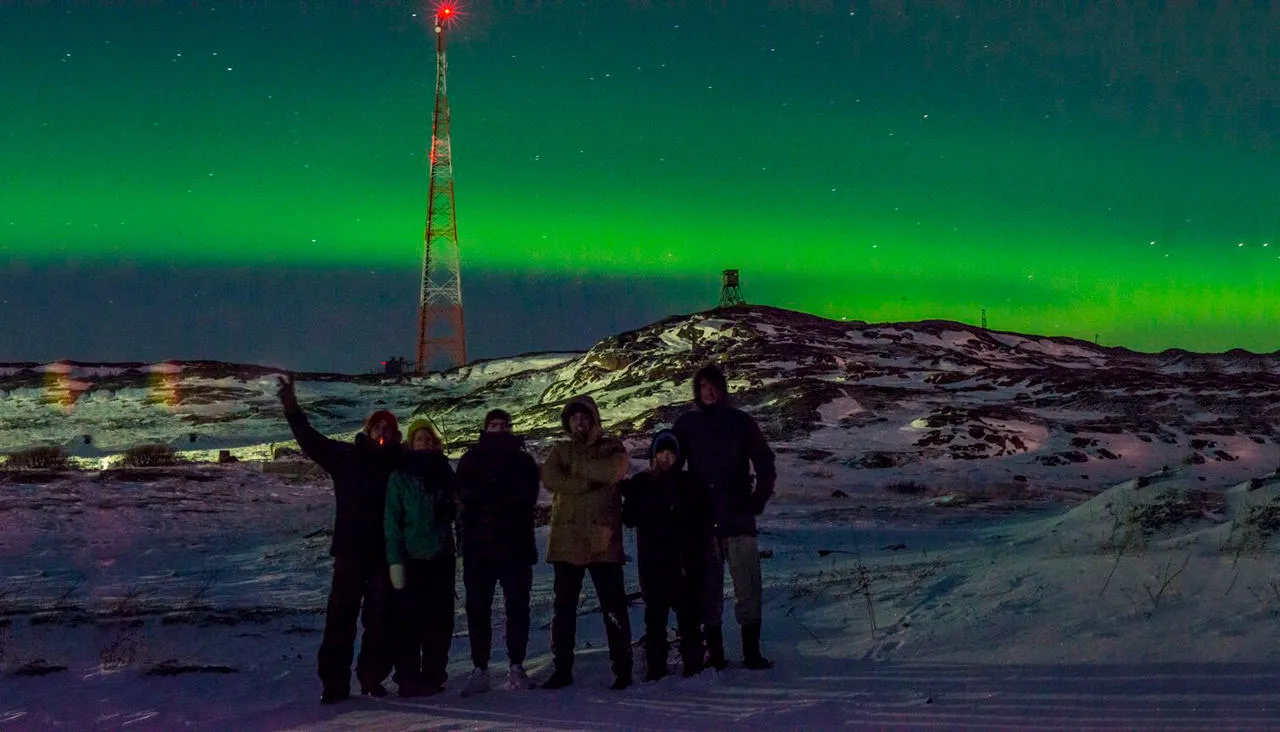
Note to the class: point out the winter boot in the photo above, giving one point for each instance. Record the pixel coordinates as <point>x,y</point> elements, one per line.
<point>622,681</point>
<point>751,657</point>
<point>692,661</point>
<point>517,679</point>
<point>478,683</point>
<point>334,695</point>
<point>559,679</point>
<point>419,687</point>
<point>657,671</point>
<point>656,660</point>
<point>371,685</point>
<point>715,648</point>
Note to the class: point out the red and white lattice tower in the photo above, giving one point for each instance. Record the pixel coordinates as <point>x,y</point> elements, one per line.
<point>442,334</point>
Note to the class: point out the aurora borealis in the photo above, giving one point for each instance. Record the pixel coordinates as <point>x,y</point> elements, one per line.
<point>1106,169</point>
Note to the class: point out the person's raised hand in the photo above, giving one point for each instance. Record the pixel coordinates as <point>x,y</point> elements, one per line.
<point>288,397</point>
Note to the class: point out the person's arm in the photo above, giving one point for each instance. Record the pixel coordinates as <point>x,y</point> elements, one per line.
<point>463,500</point>
<point>557,477</point>
<point>466,467</point>
<point>393,520</point>
<point>701,502</point>
<point>681,430</point>
<point>324,451</point>
<point>531,482</point>
<point>447,495</point>
<point>630,498</point>
<point>762,460</point>
<point>608,468</point>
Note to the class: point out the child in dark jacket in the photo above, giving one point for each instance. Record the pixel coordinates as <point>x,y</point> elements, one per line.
<point>671,513</point>
<point>421,554</point>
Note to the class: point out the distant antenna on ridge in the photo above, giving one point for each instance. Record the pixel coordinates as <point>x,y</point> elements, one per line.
<point>984,318</point>
<point>731,293</point>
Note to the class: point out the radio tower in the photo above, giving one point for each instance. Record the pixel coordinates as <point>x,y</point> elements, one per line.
<point>442,335</point>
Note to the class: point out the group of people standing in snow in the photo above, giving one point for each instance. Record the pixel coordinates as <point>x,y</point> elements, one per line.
<point>403,516</point>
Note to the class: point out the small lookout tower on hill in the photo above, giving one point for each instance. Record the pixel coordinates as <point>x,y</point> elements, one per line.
<point>730,291</point>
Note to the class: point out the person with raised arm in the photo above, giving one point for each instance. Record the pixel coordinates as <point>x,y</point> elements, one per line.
<point>361,582</point>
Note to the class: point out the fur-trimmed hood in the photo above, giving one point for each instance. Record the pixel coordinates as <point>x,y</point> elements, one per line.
<point>584,404</point>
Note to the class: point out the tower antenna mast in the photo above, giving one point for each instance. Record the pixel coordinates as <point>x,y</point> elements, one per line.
<point>442,335</point>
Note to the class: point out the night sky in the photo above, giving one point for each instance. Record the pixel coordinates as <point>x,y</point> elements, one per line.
<point>247,181</point>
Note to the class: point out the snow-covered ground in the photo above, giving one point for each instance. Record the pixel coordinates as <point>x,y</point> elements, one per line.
<point>193,598</point>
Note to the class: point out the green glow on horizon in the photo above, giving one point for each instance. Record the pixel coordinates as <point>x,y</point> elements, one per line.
<point>881,207</point>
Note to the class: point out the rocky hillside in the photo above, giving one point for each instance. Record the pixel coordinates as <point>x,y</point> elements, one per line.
<point>849,394</point>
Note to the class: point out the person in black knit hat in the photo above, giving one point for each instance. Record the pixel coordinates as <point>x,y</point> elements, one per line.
<point>671,513</point>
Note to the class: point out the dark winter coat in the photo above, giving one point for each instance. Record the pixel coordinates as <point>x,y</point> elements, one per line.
<point>586,505</point>
<point>418,522</point>
<point>721,444</point>
<point>498,488</point>
<point>360,470</point>
<point>671,513</point>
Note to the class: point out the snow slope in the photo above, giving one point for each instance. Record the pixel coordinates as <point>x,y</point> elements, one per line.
<point>193,598</point>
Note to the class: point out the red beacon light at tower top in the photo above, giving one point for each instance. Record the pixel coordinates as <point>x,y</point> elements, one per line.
<point>446,13</point>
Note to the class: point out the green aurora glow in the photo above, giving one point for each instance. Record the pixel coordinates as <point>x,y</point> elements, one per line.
<point>842,183</point>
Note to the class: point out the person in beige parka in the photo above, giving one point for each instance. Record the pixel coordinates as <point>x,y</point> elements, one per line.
<point>582,474</point>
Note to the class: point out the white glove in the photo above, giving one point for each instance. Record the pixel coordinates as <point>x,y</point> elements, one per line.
<point>397,576</point>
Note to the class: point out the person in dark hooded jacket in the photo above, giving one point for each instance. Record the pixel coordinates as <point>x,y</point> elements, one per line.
<point>671,513</point>
<point>721,446</point>
<point>361,575</point>
<point>499,491</point>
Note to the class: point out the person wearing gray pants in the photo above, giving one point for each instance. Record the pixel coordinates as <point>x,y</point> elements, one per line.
<point>722,445</point>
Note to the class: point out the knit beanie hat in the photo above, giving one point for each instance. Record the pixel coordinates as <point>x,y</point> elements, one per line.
<point>664,440</point>
<point>493,414</point>
<point>385,417</point>
<point>424,423</point>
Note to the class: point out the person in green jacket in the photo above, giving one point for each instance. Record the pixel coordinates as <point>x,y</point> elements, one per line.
<point>420,551</point>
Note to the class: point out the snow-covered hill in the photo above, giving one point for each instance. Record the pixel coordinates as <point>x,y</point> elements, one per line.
<point>844,395</point>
